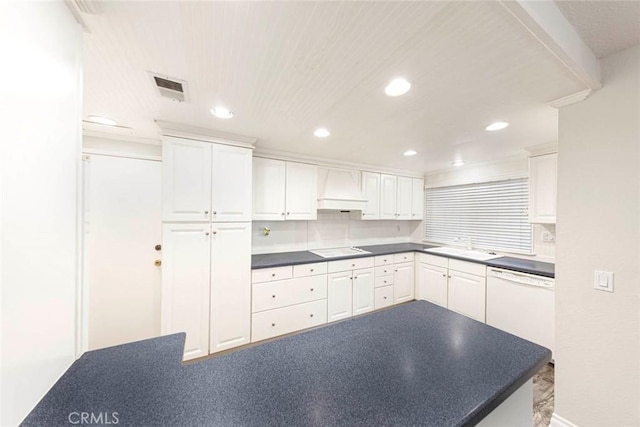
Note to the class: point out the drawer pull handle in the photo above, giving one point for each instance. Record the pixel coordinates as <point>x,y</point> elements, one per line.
<point>311,315</point>
<point>311,289</point>
<point>273,324</point>
<point>273,296</point>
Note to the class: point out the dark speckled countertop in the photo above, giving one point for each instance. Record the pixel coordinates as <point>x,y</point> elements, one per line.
<point>304,257</point>
<point>413,364</point>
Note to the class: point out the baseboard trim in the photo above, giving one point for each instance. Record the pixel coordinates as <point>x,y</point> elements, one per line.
<point>558,421</point>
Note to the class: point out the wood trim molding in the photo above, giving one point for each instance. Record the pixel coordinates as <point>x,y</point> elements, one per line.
<point>542,149</point>
<point>558,421</point>
<point>571,99</point>
<point>202,134</point>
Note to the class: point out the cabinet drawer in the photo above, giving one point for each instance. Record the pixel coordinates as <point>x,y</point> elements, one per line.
<point>384,259</point>
<point>405,257</point>
<point>269,274</point>
<point>284,320</point>
<point>384,281</point>
<point>270,295</point>
<point>384,297</point>
<point>310,269</point>
<point>438,261</point>
<point>468,267</point>
<point>350,264</point>
<point>384,270</point>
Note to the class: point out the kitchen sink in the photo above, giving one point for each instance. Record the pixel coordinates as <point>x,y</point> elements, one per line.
<point>463,253</point>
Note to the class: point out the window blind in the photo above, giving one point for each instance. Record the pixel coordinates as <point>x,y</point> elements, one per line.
<point>493,214</point>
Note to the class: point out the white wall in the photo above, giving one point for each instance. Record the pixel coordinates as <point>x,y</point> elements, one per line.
<point>40,104</point>
<point>598,333</point>
<point>331,230</point>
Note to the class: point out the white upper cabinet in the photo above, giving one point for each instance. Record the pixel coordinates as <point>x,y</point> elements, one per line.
<point>186,180</point>
<point>417,198</point>
<point>200,178</point>
<point>388,189</point>
<point>301,191</point>
<point>284,190</point>
<point>404,204</point>
<point>371,192</point>
<point>269,177</point>
<point>543,179</point>
<point>231,183</point>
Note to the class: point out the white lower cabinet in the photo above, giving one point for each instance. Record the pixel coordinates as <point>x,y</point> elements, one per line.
<point>363,291</point>
<point>340,295</point>
<point>281,293</point>
<point>206,285</point>
<point>432,284</point>
<point>383,297</point>
<point>403,282</point>
<point>271,323</point>
<point>467,294</point>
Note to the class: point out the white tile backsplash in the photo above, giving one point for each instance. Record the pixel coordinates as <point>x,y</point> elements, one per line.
<point>330,230</point>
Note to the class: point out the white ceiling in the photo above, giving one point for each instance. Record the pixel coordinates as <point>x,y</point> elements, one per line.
<point>286,68</point>
<point>605,26</point>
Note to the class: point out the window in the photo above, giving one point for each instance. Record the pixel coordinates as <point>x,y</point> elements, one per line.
<point>493,214</point>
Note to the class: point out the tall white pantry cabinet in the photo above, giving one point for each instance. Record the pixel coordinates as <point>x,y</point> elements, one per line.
<point>206,244</point>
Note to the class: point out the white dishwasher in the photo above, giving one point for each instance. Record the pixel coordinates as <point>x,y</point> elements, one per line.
<point>522,304</point>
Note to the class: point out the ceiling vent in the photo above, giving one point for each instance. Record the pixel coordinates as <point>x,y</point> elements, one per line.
<point>169,87</point>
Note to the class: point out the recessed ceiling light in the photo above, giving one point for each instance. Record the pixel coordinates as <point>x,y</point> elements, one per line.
<point>457,163</point>
<point>397,87</point>
<point>410,153</point>
<point>102,120</point>
<point>321,133</point>
<point>497,126</point>
<point>221,113</point>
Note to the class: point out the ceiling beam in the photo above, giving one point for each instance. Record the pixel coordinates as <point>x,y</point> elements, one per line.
<point>546,22</point>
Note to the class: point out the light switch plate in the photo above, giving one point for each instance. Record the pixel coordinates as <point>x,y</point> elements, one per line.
<point>603,280</point>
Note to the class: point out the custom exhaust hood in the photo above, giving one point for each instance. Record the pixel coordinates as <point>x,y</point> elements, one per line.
<point>339,189</point>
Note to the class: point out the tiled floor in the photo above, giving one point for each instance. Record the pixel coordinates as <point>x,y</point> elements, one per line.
<point>543,396</point>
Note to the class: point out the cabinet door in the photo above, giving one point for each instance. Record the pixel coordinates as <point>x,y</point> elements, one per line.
<point>230,301</point>
<point>186,180</point>
<point>371,191</point>
<point>363,291</point>
<point>339,296</point>
<point>405,190</point>
<point>417,198</point>
<point>467,295</point>
<point>268,189</point>
<point>403,283</point>
<point>230,183</point>
<point>543,178</point>
<point>301,191</point>
<point>388,188</point>
<point>185,285</point>
<point>432,284</point>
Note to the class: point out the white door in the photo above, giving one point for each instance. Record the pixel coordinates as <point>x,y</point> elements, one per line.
<point>339,295</point>
<point>268,189</point>
<point>363,291</point>
<point>388,189</point>
<point>230,324</point>
<point>301,191</point>
<point>405,190</point>
<point>467,295</point>
<point>432,284</point>
<point>186,180</point>
<point>403,283</point>
<point>371,192</point>
<point>230,183</point>
<point>185,284</point>
<point>123,225</point>
<point>417,198</point>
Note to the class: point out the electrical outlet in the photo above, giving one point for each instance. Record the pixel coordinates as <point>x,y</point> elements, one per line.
<point>548,236</point>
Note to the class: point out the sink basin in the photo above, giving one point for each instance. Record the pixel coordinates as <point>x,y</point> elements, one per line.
<point>462,253</point>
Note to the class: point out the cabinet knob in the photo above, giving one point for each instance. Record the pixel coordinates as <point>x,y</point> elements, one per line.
<point>396,271</point>
<point>273,296</point>
<point>444,275</point>
<point>385,281</point>
<point>158,247</point>
<point>311,270</point>
<point>413,214</point>
<point>385,297</point>
<point>311,289</point>
<point>311,315</point>
<point>206,212</point>
<point>363,214</point>
<point>273,274</point>
<point>356,277</point>
<point>385,260</point>
<point>215,232</point>
<point>157,263</point>
<point>282,214</point>
<point>449,277</point>
<point>273,324</point>
<point>353,265</point>
<point>206,233</point>
<point>288,213</point>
